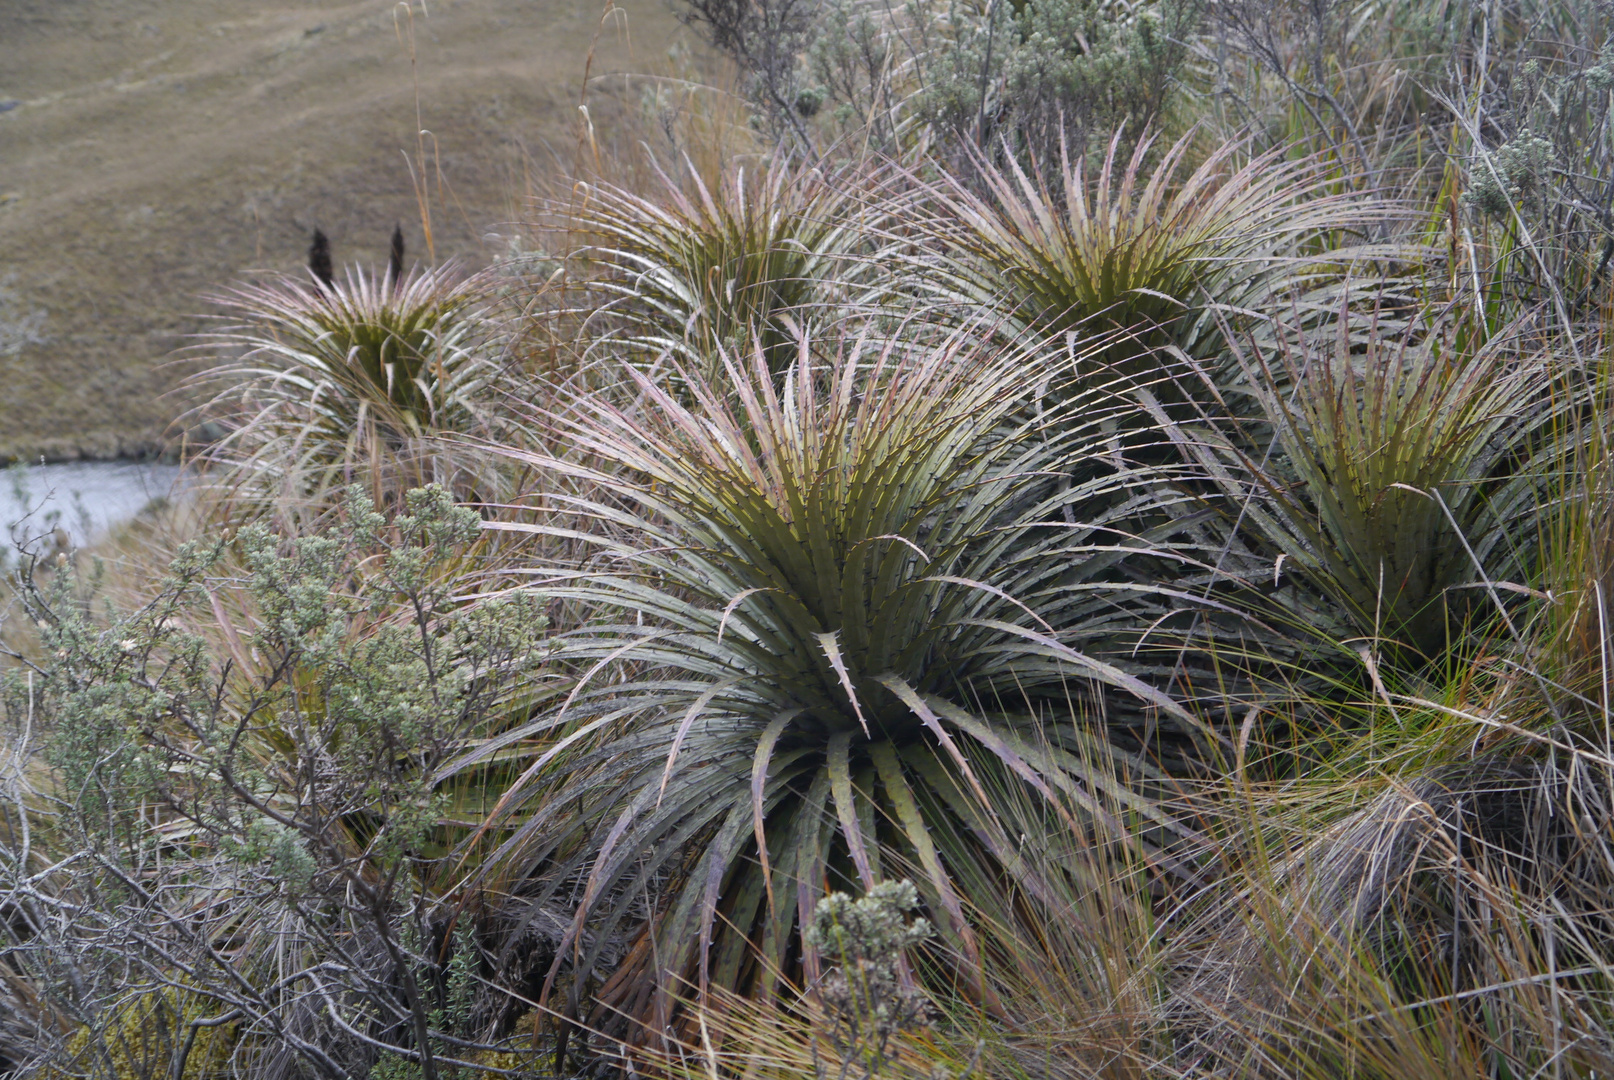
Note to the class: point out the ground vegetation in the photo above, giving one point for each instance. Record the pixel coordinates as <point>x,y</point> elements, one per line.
<point>1068,541</point>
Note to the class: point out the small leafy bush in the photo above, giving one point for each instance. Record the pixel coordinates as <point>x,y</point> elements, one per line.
<point>868,995</point>
<point>766,39</point>
<point>1036,78</point>
<point>1540,146</point>
<point>247,768</point>
<point>1046,80</point>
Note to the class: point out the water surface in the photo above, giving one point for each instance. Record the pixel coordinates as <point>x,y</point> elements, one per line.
<point>85,499</point>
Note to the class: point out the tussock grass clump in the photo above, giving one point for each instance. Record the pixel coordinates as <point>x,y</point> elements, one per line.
<point>1447,920</point>
<point>1444,918</point>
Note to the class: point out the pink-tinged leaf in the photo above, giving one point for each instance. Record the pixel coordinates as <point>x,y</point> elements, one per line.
<point>1112,675</point>
<point>734,603</point>
<point>832,650</point>
<point>683,730</point>
<point>928,717</point>
<point>893,536</point>
<point>840,786</point>
<point>913,826</point>
<point>759,781</point>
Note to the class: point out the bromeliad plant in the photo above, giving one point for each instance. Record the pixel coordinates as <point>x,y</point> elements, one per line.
<point>841,610</point>
<point>319,385</point>
<point>1407,472</point>
<point>706,268</point>
<point>1138,255</point>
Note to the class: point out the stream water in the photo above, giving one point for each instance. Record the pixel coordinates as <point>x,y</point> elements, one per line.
<point>87,499</point>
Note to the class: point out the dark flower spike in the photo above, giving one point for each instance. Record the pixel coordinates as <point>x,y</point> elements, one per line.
<point>396,258</point>
<point>319,260</point>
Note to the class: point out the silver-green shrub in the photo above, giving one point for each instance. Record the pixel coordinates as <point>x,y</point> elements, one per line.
<point>867,996</point>
<point>242,782</point>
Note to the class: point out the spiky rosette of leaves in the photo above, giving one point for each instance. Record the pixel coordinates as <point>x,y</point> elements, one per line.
<point>1407,472</point>
<point>1132,251</point>
<point>701,268</point>
<point>313,384</point>
<point>837,612</point>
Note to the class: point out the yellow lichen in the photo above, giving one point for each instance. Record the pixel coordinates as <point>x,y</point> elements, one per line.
<point>143,1036</point>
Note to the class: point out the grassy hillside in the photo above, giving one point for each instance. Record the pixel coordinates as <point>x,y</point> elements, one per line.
<point>155,149</point>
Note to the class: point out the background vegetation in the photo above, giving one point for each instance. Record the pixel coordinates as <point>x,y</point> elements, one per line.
<point>1065,541</point>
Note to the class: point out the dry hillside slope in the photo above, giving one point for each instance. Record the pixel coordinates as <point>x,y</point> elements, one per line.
<point>151,150</point>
